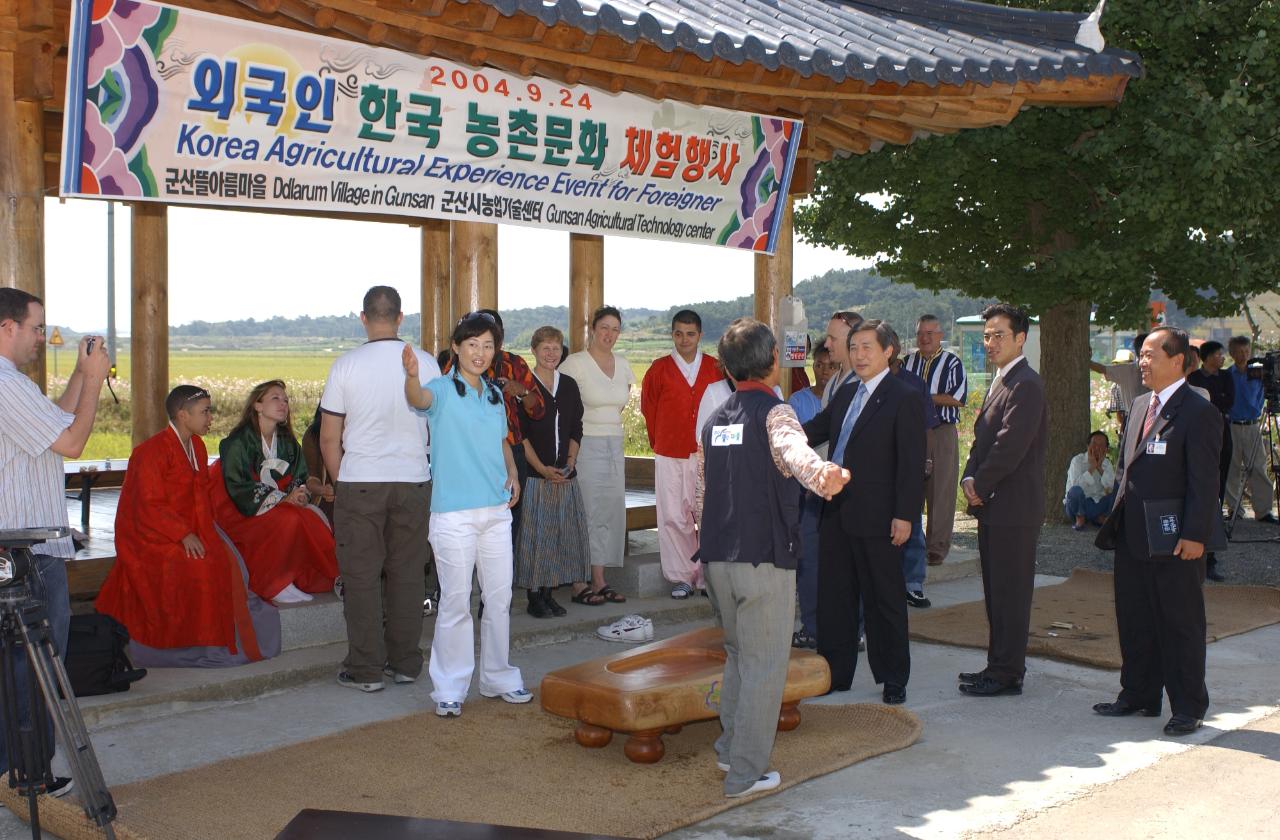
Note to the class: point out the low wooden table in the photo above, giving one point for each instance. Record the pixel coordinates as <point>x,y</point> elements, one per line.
<point>655,689</point>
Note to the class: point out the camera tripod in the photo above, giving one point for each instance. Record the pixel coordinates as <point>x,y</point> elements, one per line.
<point>1270,434</point>
<point>47,698</point>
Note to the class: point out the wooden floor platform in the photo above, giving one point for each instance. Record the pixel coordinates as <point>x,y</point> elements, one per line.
<point>87,572</point>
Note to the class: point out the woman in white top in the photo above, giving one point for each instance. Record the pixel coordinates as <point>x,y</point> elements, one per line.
<point>604,379</point>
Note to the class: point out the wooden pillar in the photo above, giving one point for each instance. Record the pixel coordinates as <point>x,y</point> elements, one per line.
<point>773,283</point>
<point>149,324</point>
<point>22,194</point>
<point>436,325</point>
<point>473,266</point>
<point>586,285</point>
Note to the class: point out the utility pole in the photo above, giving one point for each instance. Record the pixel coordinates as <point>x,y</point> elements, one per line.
<point>111,281</point>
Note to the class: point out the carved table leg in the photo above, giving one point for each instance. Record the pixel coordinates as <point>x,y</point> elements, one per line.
<point>589,735</point>
<point>645,747</point>
<point>788,717</point>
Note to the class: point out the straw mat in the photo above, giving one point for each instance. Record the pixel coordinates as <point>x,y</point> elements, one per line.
<point>501,764</point>
<point>1085,602</point>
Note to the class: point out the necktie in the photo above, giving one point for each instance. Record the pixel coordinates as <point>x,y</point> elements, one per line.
<point>1152,411</point>
<point>850,417</point>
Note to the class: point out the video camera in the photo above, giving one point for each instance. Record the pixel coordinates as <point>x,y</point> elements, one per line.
<point>15,553</point>
<point>1267,368</point>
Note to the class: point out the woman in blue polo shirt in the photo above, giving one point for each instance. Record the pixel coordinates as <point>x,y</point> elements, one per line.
<point>474,486</point>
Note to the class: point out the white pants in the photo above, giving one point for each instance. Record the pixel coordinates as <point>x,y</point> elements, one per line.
<point>464,540</point>
<point>674,481</point>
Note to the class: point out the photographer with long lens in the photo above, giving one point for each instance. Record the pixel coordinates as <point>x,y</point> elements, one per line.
<point>1249,460</point>
<point>36,433</point>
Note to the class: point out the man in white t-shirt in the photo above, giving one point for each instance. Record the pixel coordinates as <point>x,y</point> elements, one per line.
<point>375,447</point>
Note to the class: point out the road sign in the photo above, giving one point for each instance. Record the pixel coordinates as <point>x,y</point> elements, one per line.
<point>55,340</point>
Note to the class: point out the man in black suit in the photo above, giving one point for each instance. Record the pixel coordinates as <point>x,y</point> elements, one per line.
<point>876,426</point>
<point>1170,452</point>
<point>1003,482</point>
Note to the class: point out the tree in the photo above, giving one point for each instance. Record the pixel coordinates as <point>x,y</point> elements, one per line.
<point>1067,211</point>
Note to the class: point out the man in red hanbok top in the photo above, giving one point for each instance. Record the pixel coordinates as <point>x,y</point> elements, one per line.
<point>669,398</point>
<point>177,584</point>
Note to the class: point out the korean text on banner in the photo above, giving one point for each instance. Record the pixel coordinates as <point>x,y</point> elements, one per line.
<point>185,107</point>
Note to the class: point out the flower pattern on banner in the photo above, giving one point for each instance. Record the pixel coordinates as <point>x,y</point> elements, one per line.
<point>124,37</point>
<point>760,193</point>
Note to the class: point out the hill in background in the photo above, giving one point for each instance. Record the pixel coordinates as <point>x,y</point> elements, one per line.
<point>861,289</point>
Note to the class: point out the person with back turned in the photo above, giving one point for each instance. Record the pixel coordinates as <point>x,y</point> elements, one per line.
<point>1170,453</point>
<point>1004,485</point>
<point>752,459</point>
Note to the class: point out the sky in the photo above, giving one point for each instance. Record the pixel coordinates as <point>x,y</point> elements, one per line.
<point>226,265</point>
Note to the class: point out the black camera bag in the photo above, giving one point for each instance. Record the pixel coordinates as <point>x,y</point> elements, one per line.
<point>97,661</point>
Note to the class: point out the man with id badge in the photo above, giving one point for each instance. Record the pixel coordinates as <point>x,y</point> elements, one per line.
<point>1165,512</point>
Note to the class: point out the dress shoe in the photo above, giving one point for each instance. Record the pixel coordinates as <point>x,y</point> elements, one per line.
<point>1214,575</point>
<point>1182,725</point>
<point>989,687</point>
<point>894,694</point>
<point>1123,708</point>
<point>970,676</point>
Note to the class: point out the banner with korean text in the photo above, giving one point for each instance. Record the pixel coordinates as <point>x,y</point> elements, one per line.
<point>185,107</point>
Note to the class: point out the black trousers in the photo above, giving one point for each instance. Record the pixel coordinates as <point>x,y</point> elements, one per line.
<point>522,472</point>
<point>867,569</point>
<point>1160,616</point>
<point>1008,556</point>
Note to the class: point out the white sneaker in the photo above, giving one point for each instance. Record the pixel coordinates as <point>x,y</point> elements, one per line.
<point>630,629</point>
<point>397,677</point>
<point>448,708</point>
<point>290,595</point>
<point>768,781</point>
<point>347,681</point>
<point>722,767</point>
<point>520,695</point>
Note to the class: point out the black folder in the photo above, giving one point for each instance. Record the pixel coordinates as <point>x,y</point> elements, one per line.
<point>1164,527</point>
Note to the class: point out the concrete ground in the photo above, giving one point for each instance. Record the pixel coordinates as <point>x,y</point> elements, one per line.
<point>1039,765</point>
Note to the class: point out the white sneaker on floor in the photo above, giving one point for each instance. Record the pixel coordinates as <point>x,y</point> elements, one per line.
<point>345,680</point>
<point>448,708</point>
<point>722,767</point>
<point>630,629</point>
<point>768,781</point>
<point>520,695</point>
<point>397,677</point>
<point>290,595</point>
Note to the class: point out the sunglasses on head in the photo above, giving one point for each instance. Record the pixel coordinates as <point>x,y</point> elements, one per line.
<point>484,315</point>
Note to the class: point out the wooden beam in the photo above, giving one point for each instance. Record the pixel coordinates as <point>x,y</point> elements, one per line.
<point>22,198</point>
<point>149,325</point>
<point>586,285</point>
<point>773,276</point>
<point>33,70</point>
<point>435,285</point>
<point>473,255</point>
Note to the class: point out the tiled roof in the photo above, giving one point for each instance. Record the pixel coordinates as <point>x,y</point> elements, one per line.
<point>935,42</point>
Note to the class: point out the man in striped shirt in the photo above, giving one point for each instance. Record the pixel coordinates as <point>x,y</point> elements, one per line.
<point>943,371</point>
<point>35,434</point>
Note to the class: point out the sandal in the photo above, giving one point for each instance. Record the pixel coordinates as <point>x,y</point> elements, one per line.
<point>681,591</point>
<point>608,593</point>
<point>588,597</point>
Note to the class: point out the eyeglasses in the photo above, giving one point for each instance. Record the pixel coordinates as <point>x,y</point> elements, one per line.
<point>999,335</point>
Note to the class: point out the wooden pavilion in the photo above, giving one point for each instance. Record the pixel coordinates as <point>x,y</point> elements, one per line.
<point>859,73</point>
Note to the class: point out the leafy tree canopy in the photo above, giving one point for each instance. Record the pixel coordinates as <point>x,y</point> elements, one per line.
<point>1173,189</point>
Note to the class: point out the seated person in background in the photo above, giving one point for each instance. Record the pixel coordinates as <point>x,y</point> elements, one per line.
<point>178,584</point>
<point>262,493</point>
<point>1091,482</point>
